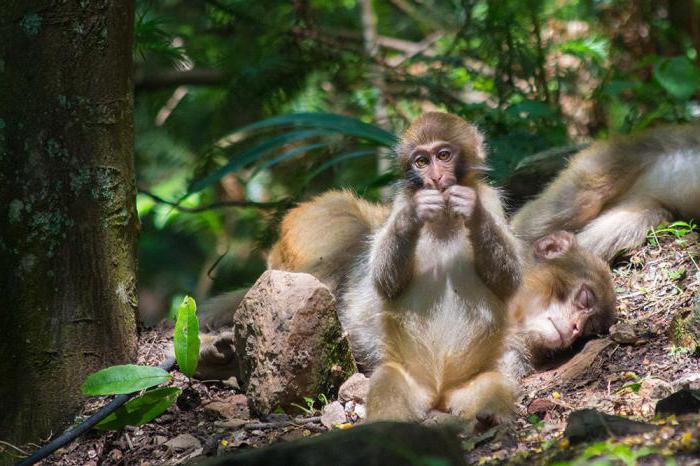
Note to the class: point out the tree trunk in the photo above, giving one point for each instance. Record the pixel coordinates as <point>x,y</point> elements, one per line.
<point>68,223</point>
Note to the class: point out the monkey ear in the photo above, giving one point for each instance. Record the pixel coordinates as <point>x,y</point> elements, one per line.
<point>554,245</point>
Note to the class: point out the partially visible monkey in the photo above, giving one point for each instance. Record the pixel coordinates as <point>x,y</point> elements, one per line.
<point>565,294</point>
<point>431,289</point>
<point>612,193</point>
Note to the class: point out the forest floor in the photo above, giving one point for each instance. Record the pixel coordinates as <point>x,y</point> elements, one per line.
<point>645,359</point>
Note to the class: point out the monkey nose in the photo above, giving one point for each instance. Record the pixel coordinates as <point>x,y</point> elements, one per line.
<point>575,329</point>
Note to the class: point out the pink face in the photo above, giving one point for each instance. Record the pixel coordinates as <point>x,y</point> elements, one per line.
<point>561,323</point>
<point>435,163</point>
<point>570,294</point>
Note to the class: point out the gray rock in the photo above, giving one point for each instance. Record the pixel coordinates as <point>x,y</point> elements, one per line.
<point>356,388</point>
<point>184,442</point>
<point>691,381</point>
<point>333,414</point>
<point>589,424</point>
<point>655,389</point>
<point>288,341</point>
<point>623,333</point>
<point>374,444</point>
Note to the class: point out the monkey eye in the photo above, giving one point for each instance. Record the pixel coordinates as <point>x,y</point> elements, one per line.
<point>444,155</point>
<point>585,298</point>
<point>421,162</point>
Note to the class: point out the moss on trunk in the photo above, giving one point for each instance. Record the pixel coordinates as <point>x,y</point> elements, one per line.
<point>67,205</point>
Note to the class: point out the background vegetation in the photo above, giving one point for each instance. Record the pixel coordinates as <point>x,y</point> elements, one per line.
<point>234,101</point>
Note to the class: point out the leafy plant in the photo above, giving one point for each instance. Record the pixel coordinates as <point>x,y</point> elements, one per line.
<point>310,408</point>
<point>186,337</point>
<point>131,378</point>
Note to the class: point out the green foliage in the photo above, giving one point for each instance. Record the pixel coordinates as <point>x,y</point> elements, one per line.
<point>186,337</point>
<point>606,453</point>
<point>290,110</point>
<point>123,379</point>
<point>141,410</point>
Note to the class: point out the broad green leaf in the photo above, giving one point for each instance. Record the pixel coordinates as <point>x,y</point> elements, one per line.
<point>186,337</point>
<point>678,76</point>
<point>140,410</point>
<point>253,154</point>
<point>336,160</point>
<point>285,156</point>
<point>128,378</point>
<point>339,123</point>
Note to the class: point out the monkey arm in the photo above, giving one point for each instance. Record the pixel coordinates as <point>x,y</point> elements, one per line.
<point>497,255</point>
<point>393,249</point>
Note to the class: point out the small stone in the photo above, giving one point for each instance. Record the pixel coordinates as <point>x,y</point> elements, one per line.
<point>92,453</point>
<point>540,406</point>
<point>232,407</point>
<point>623,333</point>
<point>682,402</point>
<point>360,411</point>
<point>333,414</point>
<point>116,455</point>
<point>184,442</point>
<point>655,389</point>
<point>356,388</point>
<point>690,381</point>
<point>160,439</point>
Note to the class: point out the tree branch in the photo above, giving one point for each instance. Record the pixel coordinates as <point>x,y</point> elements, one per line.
<point>218,204</point>
<point>169,78</point>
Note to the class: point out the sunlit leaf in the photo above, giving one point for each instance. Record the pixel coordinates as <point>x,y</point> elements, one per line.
<point>186,337</point>
<point>127,378</point>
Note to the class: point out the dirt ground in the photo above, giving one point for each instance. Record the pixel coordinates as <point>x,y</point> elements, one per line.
<point>645,359</point>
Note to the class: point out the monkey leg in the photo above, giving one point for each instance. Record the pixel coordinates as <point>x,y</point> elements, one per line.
<point>623,225</point>
<point>394,395</point>
<point>488,395</point>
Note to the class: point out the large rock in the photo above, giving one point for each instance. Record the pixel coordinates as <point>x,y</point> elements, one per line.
<point>375,444</point>
<point>288,341</point>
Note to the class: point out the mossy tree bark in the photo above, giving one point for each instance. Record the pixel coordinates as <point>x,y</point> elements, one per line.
<point>68,223</point>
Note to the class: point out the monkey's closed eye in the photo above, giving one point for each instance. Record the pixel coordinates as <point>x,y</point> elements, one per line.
<point>444,155</point>
<point>585,298</point>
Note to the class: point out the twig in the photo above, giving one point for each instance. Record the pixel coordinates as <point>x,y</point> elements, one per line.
<point>8,444</point>
<point>272,425</point>
<point>216,205</point>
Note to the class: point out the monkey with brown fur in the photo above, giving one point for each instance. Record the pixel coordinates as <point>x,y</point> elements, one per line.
<point>565,294</point>
<point>431,289</point>
<point>612,193</point>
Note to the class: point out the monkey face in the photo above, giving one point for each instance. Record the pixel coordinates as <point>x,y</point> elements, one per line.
<point>566,295</point>
<point>437,165</point>
<point>439,150</point>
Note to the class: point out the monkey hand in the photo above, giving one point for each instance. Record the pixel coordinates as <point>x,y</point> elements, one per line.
<point>430,205</point>
<point>461,201</point>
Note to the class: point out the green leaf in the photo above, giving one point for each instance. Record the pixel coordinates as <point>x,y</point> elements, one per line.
<point>338,123</point>
<point>186,337</point>
<point>596,48</point>
<point>140,410</point>
<point>336,160</point>
<point>678,76</point>
<point>285,156</point>
<point>128,378</point>
<point>252,155</point>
